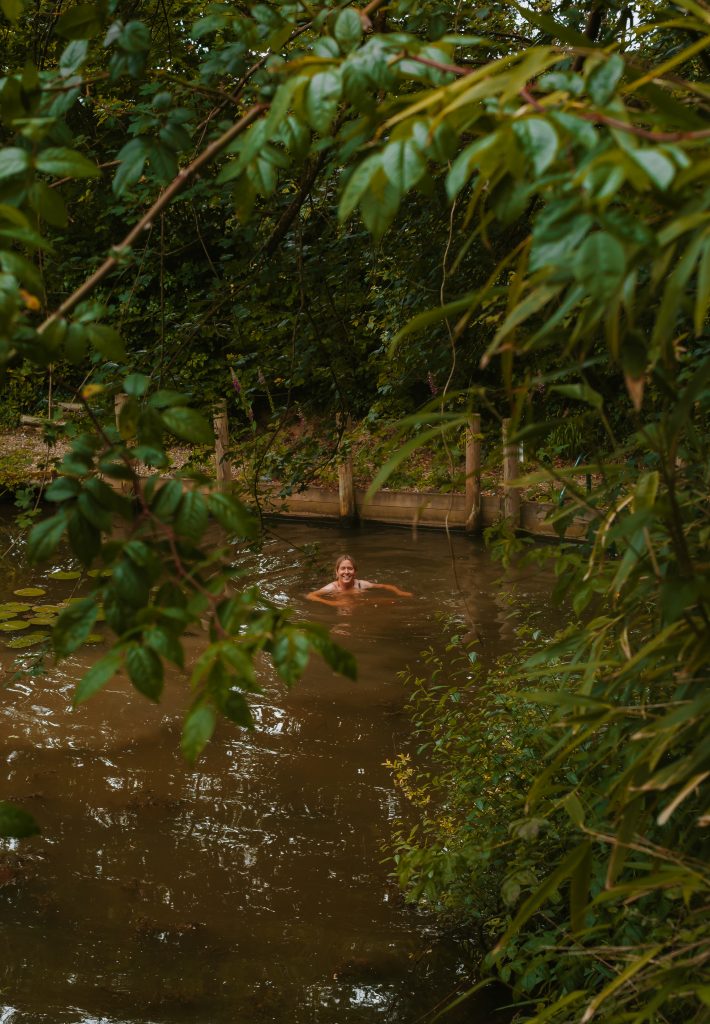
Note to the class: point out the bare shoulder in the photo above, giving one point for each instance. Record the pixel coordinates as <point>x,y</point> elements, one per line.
<point>365,584</point>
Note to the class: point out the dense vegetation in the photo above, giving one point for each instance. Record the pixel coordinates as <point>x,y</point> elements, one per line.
<point>323,207</point>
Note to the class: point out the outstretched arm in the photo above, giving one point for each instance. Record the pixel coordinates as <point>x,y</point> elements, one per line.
<point>317,595</point>
<point>392,588</point>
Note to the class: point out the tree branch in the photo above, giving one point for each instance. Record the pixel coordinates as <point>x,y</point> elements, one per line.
<point>623,126</point>
<point>164,200</point>
<point>291,212</point>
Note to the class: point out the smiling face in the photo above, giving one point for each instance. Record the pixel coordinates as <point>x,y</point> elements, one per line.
<point>345,573</point>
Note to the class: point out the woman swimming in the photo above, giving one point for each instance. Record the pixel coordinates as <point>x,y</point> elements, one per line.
<point>346,583</point>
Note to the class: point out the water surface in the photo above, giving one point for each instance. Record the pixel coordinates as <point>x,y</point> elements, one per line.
<point>252,887</point>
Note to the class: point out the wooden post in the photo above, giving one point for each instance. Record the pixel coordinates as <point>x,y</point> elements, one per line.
<point>221,444</point>
<point>346,488</point>
<point>118,403</point>
<point>127,487</point>
<point>472,521</point>
<point>511,470</point>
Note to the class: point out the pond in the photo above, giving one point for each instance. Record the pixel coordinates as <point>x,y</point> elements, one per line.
<point>252,887</point>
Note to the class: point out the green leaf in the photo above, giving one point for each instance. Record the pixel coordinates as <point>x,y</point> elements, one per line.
<point>107,342</point>
<point>188,425</point>
<point>197,731</point>
<point>702,296</point>
<point>79,22</point>
<point>403,452</point>
<point>45,537</point>
<point>554,27</point>
<point>73,626</point>
<point>133,157</point>
<point>659,168</point>
<point>579,890</point>
<point>21,268</point>
<point>290,652</point>
<point>76,341</point>
<point>403,163</point>
<point>637,964</point>
<point>95,678</point>
<point>65,163</point>
<point>72,57</point>
<point>192,517</point>
<point>232,515</point>
<point>600,264</point>
<point>96,514</point>
<point>84,536</point>
<point>16,823</point>
<point>48,204</point>
<point>465,163</point>
<point>165,397</point>
<point>348,29</point>
<point>13,160</point>
<point>166,644</point>
<point>339,659</point>
<point>132,584</point>
<point>12,9</point>
<point>167,499</point>
<point>145,670</point>
<point>322,97</point>
<point>235,707</point>
<point>379,205</point>
<point>604,78</point>
<point>580,392</point>
<point>432,316</point>
<point>543,892</point>
<point>136,384</point>
<point>357,184</point>
<point>28,640</point>
<point>538,141</point>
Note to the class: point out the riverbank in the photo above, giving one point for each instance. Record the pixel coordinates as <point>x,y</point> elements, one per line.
<point>27,460</point>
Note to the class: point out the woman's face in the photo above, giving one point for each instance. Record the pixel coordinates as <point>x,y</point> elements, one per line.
<point>346,574</point>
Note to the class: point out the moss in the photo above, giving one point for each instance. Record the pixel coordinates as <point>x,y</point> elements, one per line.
<point>15,469</point>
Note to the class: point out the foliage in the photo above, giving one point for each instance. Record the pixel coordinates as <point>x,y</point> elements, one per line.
<point>546,171</point>
<point>489,824</point>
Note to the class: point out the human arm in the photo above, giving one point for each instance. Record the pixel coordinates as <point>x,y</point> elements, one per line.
<point>392,588</point>
<point>317,595</point>
<point>326,595</point>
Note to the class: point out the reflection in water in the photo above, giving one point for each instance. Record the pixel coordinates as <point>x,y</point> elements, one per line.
<point>252,889</point>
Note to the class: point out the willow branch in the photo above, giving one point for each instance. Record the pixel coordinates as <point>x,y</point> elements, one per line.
<point>164,200</point>
<point>623,126</point>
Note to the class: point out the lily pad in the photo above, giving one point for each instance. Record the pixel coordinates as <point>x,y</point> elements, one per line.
<point>47,609</point>
<point>94,638</point>
<point>99,572</point>
<point>29,640</point>
<point>14,625</point>
<point>62,574</point>
<point>43,621</point>
<point>30,592</point>
<point>16,607</point>
<point>7,615</point>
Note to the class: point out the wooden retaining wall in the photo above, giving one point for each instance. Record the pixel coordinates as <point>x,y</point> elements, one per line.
<point>471,511</point>
<point>407,508</point>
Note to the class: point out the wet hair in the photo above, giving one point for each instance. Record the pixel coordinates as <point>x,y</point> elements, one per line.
<point>344,558</point>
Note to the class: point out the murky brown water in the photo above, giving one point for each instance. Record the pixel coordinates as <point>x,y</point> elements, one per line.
<point>252,888</point>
